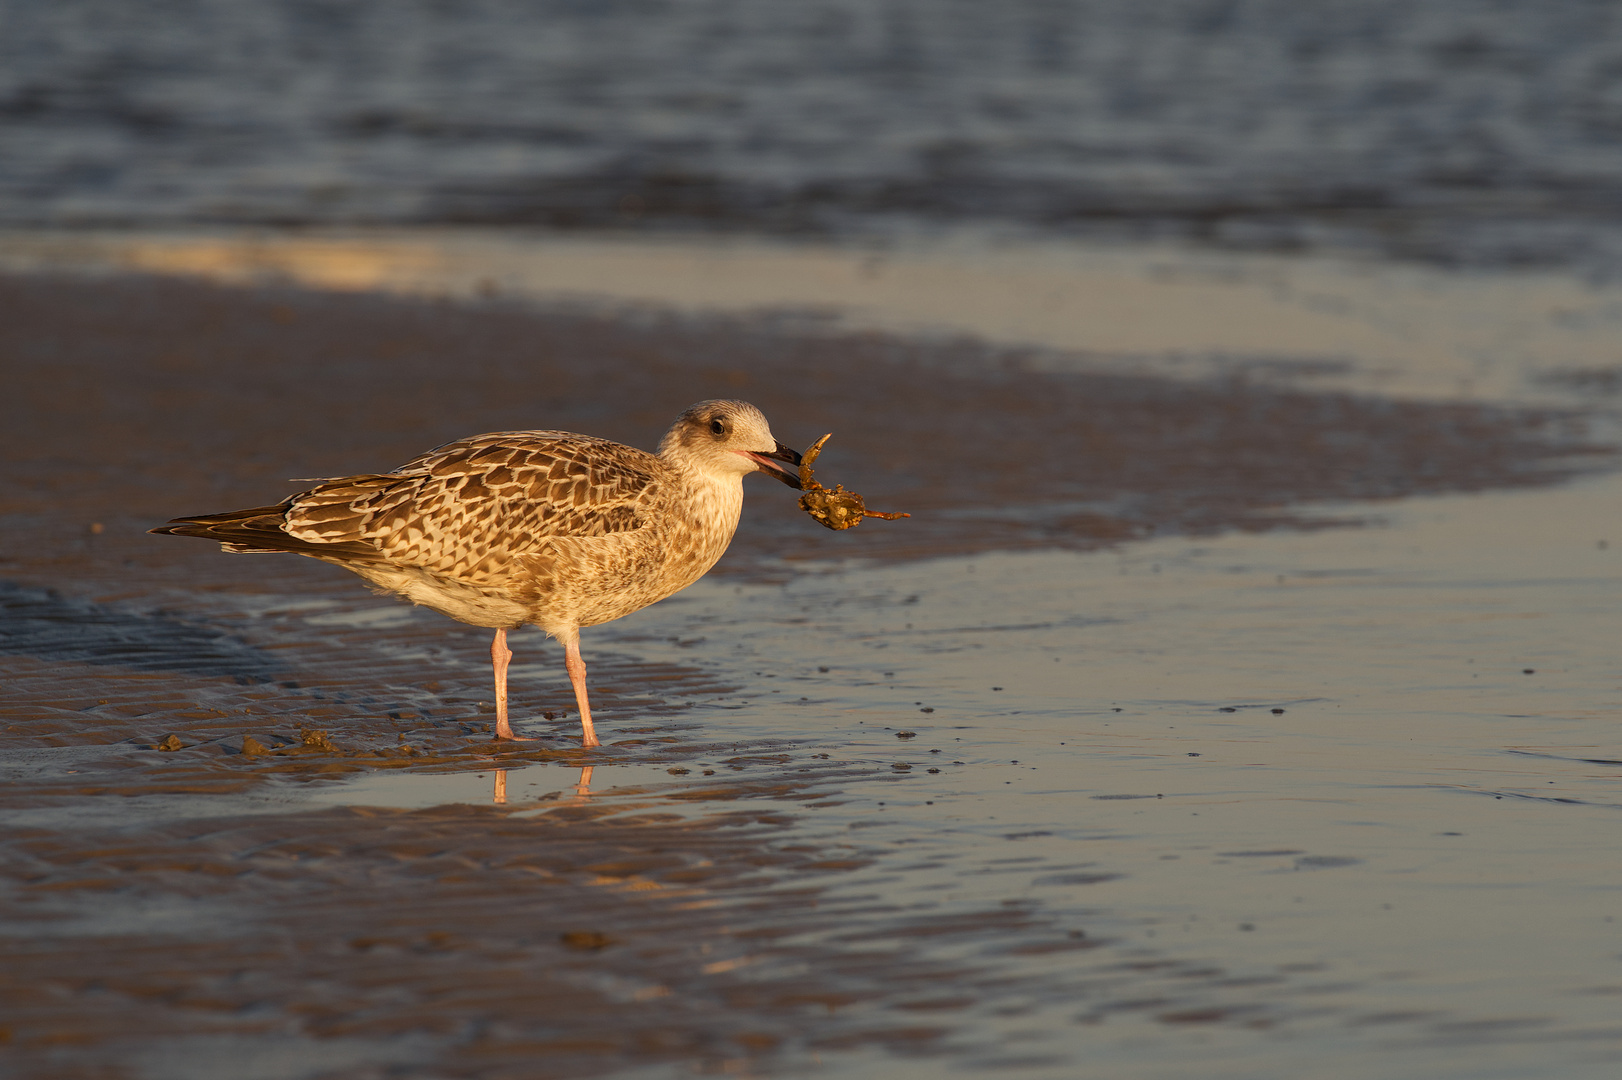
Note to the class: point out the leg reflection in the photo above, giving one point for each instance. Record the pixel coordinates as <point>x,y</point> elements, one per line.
<point>583,787</point>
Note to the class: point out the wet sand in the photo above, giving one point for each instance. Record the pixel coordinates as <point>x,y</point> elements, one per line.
<point>1272,727</point>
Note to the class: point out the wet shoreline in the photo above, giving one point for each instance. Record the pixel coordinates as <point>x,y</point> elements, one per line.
<point>1197,662</point>
<point>205,394</point>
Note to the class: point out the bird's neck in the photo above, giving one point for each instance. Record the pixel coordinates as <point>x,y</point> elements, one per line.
<point>712,502</point>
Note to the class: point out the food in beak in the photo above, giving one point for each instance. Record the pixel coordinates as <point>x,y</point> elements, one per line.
<point>837,509</point>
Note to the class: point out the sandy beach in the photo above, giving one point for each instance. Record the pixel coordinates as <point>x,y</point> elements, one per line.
<point>1236,718</point>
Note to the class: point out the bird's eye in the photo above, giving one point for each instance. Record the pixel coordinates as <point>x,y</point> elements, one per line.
<point>718,426</point>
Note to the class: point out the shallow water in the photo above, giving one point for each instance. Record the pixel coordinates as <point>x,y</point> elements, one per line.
<point>1351,786</point>
<point>1396,872</point>
<point>1458,131</point>
<point>1248,800</point>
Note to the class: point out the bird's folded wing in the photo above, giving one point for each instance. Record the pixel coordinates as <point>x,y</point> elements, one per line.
<point>468,509</point>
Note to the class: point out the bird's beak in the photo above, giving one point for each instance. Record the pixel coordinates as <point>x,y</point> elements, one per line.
<point>772,464</point>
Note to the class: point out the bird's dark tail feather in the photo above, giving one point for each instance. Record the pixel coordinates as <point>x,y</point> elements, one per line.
<point>259,530</point>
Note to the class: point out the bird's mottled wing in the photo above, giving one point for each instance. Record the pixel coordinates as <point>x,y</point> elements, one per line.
<point>468,509</point>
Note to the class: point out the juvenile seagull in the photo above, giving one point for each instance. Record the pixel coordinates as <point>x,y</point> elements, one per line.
<point>542,527</point>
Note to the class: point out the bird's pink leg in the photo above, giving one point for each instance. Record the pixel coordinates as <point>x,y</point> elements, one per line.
<point>577,676</point>
<point>499,655</point>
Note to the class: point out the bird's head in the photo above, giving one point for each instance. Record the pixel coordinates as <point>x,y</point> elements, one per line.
<point>729,438</point>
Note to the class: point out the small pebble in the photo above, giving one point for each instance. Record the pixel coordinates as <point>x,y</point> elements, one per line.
<point>586,940</point>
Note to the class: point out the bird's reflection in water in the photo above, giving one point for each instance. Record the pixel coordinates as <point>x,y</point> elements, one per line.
<point>582,787</point>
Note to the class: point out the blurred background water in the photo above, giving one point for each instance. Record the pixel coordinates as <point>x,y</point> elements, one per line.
<point>1462,131</point>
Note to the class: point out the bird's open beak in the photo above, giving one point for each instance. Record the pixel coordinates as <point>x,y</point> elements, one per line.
<point>772,464</point>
